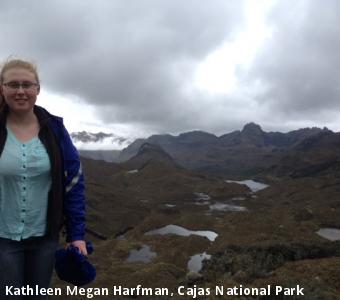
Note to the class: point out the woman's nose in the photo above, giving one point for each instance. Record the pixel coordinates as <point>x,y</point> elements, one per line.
<point>20,90</point>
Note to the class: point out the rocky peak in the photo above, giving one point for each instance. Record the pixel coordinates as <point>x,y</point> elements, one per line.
<point>253,134</point>
<point>252,128</point>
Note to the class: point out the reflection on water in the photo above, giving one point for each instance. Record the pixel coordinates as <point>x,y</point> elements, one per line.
<point>201,197</point>
<point>331,234</point>
<point>170,205</point>
<point>175,229</point>
<point>132,172</point>
<point>144,255</point>
<point>195,262</point>
<point>253,185</point>
<point>226,207</point>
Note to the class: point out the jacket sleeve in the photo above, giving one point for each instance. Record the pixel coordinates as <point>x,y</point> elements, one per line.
<point>74,202</point>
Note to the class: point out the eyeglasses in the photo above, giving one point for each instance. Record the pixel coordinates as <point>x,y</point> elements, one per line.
<point>15,85</point>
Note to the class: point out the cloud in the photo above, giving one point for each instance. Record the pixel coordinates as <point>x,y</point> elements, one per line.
<point>297,72</point>
<point>134,62</point>
<point>131,59</point>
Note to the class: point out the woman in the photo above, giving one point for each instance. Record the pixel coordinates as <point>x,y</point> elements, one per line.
<point>41,183</point>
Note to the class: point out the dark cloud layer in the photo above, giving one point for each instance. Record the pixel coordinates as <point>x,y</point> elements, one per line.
<point>135,59</point>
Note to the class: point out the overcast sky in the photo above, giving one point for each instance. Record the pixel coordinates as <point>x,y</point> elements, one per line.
<point>141,67</point>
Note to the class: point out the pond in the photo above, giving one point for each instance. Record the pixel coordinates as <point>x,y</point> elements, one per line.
<point>253,185</point>
<point>178,230</point>
<point>196,261</point>
<point>332,234</point>
<point>144,254</point>
<point>226,207</point>
<point>201,197</point>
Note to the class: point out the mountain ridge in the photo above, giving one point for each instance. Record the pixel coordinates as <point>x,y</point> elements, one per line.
<point>242,152</point>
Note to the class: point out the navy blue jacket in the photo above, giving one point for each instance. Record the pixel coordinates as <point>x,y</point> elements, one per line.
<point>67,195</point>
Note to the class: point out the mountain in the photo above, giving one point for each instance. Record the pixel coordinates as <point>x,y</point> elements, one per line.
<point>239,153</point>
<point>318,155</point>
<point>245,152</point>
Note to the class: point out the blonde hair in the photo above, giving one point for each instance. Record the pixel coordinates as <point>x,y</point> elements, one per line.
<point>18,63</point>
<point>11,63</point>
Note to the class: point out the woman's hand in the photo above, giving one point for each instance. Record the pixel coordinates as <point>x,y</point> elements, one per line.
<point>81,245</point>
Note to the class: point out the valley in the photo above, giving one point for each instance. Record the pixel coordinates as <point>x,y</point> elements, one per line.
<point>157,224</point>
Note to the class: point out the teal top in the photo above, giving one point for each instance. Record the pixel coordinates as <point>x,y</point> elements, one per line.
<point>25,181</point>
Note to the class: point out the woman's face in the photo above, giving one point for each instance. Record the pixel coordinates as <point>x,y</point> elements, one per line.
<point>20,90</point>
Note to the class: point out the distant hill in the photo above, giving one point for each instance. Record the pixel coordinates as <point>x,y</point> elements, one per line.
<point>147,154</point>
